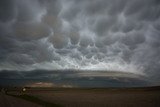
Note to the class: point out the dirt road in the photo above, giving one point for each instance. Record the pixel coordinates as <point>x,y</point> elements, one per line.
<point>9,101</point>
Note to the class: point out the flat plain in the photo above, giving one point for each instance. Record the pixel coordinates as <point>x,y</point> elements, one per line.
<point>92,97</point>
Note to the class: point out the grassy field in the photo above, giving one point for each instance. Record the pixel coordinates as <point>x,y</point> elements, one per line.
<point>36,100</point>
<point>91,97</point>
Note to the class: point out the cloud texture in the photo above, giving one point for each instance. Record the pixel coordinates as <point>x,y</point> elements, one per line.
<point>115,35</point>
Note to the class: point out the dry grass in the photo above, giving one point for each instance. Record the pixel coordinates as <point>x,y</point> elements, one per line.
<point>141,97</point>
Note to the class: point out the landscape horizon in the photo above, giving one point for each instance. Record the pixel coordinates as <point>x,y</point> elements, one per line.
<point>73,78</point>
<point>80,53</point>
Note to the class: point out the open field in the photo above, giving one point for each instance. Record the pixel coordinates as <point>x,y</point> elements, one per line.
<point>9,101</point>
<point>109,97</point>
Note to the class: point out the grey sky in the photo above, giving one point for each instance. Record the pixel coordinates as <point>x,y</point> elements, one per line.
<point>108,35</point>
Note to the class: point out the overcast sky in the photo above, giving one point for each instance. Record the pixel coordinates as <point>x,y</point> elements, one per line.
<point>101,35</point>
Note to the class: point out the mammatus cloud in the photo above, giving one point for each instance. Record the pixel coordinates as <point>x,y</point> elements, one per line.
<point>117,35</point>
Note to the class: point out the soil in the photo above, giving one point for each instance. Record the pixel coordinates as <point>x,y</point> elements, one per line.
<point>101,97</point>
<point>9,101</point>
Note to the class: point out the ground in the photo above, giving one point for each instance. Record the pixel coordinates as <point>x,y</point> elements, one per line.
<point>112,97</point>
<point>9,101</point>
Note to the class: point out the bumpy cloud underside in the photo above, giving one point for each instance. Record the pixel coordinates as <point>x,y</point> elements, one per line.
<point>115,35</point>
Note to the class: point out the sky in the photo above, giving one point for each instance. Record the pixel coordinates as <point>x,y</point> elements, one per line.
<point>92,42</point>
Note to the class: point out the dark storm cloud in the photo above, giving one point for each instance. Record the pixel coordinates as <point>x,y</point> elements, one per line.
<point>117,35</point>
<point>7,10</point>
<point>72,78</point>
<point>25,31</point>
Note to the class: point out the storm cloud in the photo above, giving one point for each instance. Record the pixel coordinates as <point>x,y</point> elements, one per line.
<point>108,35</point>
<point>71,78</point>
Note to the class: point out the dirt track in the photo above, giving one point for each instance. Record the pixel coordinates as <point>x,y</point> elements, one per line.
<point>9,101</point>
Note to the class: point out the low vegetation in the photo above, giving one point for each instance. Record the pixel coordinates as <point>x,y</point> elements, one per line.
<point>36,100</point>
